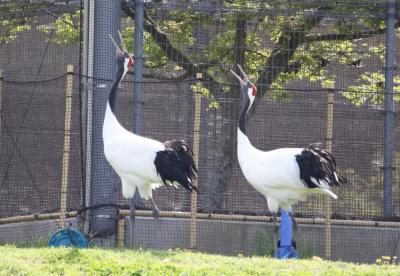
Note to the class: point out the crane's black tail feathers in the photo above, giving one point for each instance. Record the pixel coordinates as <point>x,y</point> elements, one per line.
<point>176,164</point>
<point>318,168</point>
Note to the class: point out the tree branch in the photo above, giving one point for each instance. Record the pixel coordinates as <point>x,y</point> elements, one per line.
<point>171,52</point>
<point>287,45</point>
<point>333,37</point>
<point>280,57</point>
<point>39,11</point>
<point>257,53</point>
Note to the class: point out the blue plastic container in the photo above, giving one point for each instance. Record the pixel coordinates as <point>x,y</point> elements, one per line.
<point>68,238</point>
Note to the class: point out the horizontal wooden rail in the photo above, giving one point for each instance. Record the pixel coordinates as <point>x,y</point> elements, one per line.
<point>173,214</point>
<point>36,217</point>
<point>145,213</point>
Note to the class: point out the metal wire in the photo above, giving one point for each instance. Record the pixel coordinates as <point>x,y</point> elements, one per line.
<point>324,39</point>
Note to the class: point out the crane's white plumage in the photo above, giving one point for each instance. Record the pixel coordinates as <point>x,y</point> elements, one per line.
<point>275,174</point>
<point>132,157</point>
<point>141,162</point>
<point>285,175</point>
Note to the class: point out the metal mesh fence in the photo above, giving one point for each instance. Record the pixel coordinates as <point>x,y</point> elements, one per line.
<point>297,52</point>
<point>35,162</point>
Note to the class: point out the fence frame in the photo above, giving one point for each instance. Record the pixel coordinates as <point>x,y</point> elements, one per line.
<point>388,166</point>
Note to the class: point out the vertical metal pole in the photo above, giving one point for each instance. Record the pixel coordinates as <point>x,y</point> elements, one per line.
<point>328,200</point>
<point>1,103</point>
<point>105,20</point>
<point>138,97</point>
<point>87,64</point>
<point>388,140</point>
<point>67,144</point>
<point>196,152</point>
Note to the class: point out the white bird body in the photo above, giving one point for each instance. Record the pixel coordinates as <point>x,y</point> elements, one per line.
<point>122,149</point>
<point>280,184</point>
<point>285,175</point>
<point>141,162</point>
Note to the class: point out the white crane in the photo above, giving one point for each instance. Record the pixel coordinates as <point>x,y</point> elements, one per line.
<point>283,176</point>
<point>141,162</point>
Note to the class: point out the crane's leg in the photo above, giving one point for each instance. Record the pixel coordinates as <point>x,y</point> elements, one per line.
<point>275,220</point>
<point>156,212</point>
<point>132,221</point>
<point>275,237</point>
<point>287,246</point>
<point>132,208</point>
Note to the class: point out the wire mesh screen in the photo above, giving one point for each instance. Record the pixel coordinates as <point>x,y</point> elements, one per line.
<point>167,115</point>
<point>297,53</point>
<point>296,57</point>
<point>32,148</point>
<point>35,49</point>
<point>292,112</point>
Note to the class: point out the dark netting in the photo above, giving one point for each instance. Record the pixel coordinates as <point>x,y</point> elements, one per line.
<point>168,114</point>
<point>32,148</point>
<point>34,110</point>
<point>298,53</point>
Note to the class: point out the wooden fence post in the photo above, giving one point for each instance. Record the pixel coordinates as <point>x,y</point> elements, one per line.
<point>121,231</point>
<point>196,147</point>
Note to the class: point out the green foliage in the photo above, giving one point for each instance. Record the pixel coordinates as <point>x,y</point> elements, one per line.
<point>221,47</point>
<point>155,57</point>
<point>212,102</point>
<point>13,7</point>
<point>10,23</point>
<point>178,25</point>
<point>67,34</point>
<point>10,29</point>
<point>66,29</point>
<point>267,34</point>
<point>370,89</point>
<point>379,51</point>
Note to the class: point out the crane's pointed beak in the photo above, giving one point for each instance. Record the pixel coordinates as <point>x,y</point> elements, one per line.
<point>242,82</point>
<point>246,79</point>
<point>122,42</point>
<point>119,51</point>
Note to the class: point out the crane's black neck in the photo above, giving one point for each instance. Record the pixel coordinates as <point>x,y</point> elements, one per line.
<point>113,91</point>
<point>242,114</point>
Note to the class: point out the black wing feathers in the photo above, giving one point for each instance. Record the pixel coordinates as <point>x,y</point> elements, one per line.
<point>176,164</point>
<point>318,168</point>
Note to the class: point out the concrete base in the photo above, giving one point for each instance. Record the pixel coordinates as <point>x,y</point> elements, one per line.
<point>31,233</point>
<point>349,243</point>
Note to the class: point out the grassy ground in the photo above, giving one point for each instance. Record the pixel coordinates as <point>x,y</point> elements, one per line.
<point>69,261</point>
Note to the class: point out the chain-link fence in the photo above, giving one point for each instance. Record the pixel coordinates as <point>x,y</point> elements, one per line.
<point>302,55</point>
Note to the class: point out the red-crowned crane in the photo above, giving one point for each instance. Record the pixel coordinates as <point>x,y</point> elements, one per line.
<point>141,162</point>
<point>283,176</point>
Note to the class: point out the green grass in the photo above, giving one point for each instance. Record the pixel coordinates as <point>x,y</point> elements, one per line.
<point>70,261</point>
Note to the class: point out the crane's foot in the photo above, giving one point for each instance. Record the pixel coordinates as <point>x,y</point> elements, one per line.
<point>132,209</point>
<point>156,213</point>
<point>275,221</point>
<point>137,201</point>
